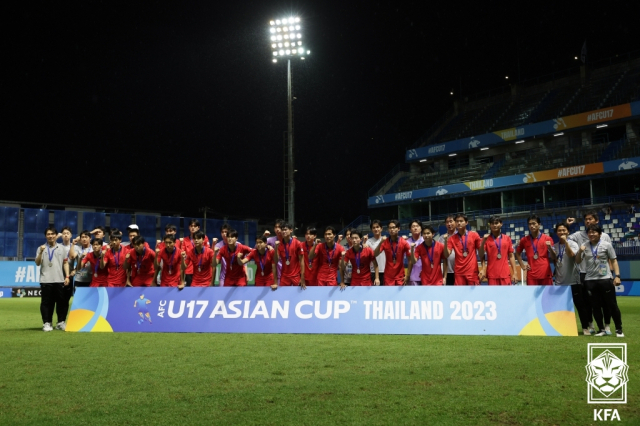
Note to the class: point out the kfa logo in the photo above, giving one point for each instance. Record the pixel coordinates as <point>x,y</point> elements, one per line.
<point>607,373</point>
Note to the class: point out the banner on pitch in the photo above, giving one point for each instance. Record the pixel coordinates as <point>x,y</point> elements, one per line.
<point>481,310</point>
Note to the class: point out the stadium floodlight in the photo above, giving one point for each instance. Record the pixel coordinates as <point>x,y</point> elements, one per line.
<point>452,155</point>
<point>558,134</point>
<point>285,32</point>
<point>423,161</point>
<point>484,149</point>
<point>600,126</point>
<point>520,141</point>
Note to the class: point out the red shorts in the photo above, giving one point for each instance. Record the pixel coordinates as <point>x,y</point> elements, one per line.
<point>264,284</point>
<point>240,283</point>
<point>437,283</point>
<point>365,283</point>
<point>289,282</point>
<point>467,280</point>
<point>311,283</point>
<point>499,281</point>
<point>390,281</point>
<point>541,281</point>
<point>327,283</point>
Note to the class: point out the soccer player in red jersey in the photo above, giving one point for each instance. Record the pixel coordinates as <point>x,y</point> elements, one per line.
<point>329,255</point>
<point>234,273</point>
<point>169,229</point>
<point>189,243</point>
<point>201,258</point>
<point>537,246</point>
<point>265,258</point>
<point>311,266</point>
<point>169,263</point>
<point>361,258</point>
<point>499,250</point>
<point>96,265</point>
<point>464,243</point>
<point>394,249</point>
<point>291,254</point>
<point>114,260</point>
<point>449,263</point>
<point>140,262</point>
<point>430,253</point>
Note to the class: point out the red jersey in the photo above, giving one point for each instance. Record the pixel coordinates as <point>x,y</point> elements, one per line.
<point>186,245</point>
<point>99,276</point>
<point>233,273</point>
<point>361,261</point>
<point>498,268</point>
<point>264,266</point>
<point>328,262</point>
<point>170,273</point>
<point>289,253</point>
<point>178,245</point>
<point>311,268</point>
<point>540,267</point>
<point>468,243</point>
<point>430,258</point>
<point>114,263</point>
<point>201,266</point>
<point>394,271</point>
<point>142,268</point>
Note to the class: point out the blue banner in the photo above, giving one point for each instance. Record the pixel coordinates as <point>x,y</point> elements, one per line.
<point>482,310</point>
<point>19,274</point>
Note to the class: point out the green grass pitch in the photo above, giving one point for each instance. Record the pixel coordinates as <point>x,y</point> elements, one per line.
<point>62,378</point>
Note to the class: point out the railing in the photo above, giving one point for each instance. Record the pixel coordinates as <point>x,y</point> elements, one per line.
<point>627,248</point>
<point>359,221</point>
<point>400,167</point>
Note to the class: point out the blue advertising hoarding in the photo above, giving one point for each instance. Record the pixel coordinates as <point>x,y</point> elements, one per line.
<point>481,310</point>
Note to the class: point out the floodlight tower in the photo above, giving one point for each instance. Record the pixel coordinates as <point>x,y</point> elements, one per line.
<point>285,37</point>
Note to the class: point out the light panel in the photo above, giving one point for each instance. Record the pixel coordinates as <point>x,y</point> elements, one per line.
<point>285,32</point>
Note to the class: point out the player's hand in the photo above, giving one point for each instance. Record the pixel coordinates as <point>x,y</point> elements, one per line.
<point>514,279</point>
<point>413,245</point>
<point>128,256</point>
<point>376,281</point>
<point>583,247</point>
<point>342,254</point>
<point>563,239</point>
<point>527,267</point>
<point>406,280</point>
<point>216,249</point>
<point>43,247</point>
<point>405,237</point>
<point>215,240</point>
<point>303,285</point>
<point>481,275</point>
<point>66,281</point>
<point>182,285</point>
<point>274,287</point>
<point>317,241</point>
<point>158,242</point>
<point>571,220</point>
<point>157,250</point>
<point>277,243</point>
<point>365,239</point>
<point>181,240</point>
<point>339,238</point>
<point>129,284</point>
<point>486,236</point>
<point>384,238</point>
<point>548,243</point>
<point>76,239</point>
<point>103,252</point>
<point>445,237</point>
<point>269,248</point>
<point>342,286</point>
<point>616,281</point>
<point>267,233</point>
<point>183,254</point>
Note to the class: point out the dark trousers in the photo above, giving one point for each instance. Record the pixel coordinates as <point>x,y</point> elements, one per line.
<point>188,278</point>
<point>588,306</point>
<point>451,279</point>
<point>53,296</point>
<point>603,294</point>
<point>373,278</point>
<point>578,291</point>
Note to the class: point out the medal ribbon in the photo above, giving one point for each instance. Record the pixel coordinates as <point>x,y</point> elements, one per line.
<point>430,256</point>
<point>358,254</point>
<point>233,258</point>
<point>535,243</point>
<point>95,268</point>
<point>139,258</point>
<point>50,252</point>
<point>330,253</point>
<point>464,245</point>
<point>116,257</point>
<point>308,250</point>
<point>260,260</point>
<point>561,248</point>
<point>396,249</point>
<point>286,248</point>
<point>171,258</point>
<point>200,256</point>
<point>594,252</point>
<point>499,243</point>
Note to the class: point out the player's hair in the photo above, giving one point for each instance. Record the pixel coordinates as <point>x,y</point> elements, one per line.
<point>170,237</point>
<point>592,213</point>
<point>101,228</point>
<point>85,233</point>
<point>533,217</point>
<point>97,241</point>
<point>286,225</point>
<point>495,219</point>
<point>132,231</point>
<point>394,222</point>
<point>138,240</point>
<point>224,227</point>
<point>563,224</point>
<point>461,215</point>
<point>418,222</point>
<point>199,235</point>
<point>429,228</point>
<point>115,233</point>
<point>170,227</point>
<point>449,216</point>
<point>279,223</point>
<point>232,233</point>
<point>354,231</point>
<point>262,238</point>
<point>66,228</point>
<point>312,230</point>
<point>195,222</point>
<point>330,228</point>
<point>594,227</point>
<point>375,222</point>
<point>50,228</point>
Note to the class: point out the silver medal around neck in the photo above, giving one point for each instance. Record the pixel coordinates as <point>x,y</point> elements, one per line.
<point>50,264</point>
<point>465,254</point>
<point>499,256</point>
<point>358,271</point>
<point>559,264</point>
<point>199,269</point>
<point>288,263</point>
<point>95,275</point>
<point>535,256</point>
<point>170,272</point>
<point>262,273</point>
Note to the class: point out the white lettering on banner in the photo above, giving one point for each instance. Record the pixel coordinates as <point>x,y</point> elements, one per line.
<point>30,272</point>
<point>600,115</point>
<point>404,195</point>
<point>467,309</point>
<point>609,414</point>
<point>425,309</point>
<point>232,309</point>
<point>571,171</point>
<point>481,184</point>
<point>511,133</point>
<point>437,148</point>
<point>161,306</point>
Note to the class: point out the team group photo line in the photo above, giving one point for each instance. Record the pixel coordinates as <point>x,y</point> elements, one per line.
<point>584,260</point>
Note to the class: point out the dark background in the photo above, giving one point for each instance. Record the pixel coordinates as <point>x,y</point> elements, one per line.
<point>170,107</point>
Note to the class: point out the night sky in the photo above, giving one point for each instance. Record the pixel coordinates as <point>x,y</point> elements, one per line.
<point>173,106</point>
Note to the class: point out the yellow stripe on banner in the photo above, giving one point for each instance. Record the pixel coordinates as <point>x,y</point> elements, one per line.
<point>534,328</point>
<point>563,321</point>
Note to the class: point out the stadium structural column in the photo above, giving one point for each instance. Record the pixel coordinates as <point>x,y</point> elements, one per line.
<point>289,183</point>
